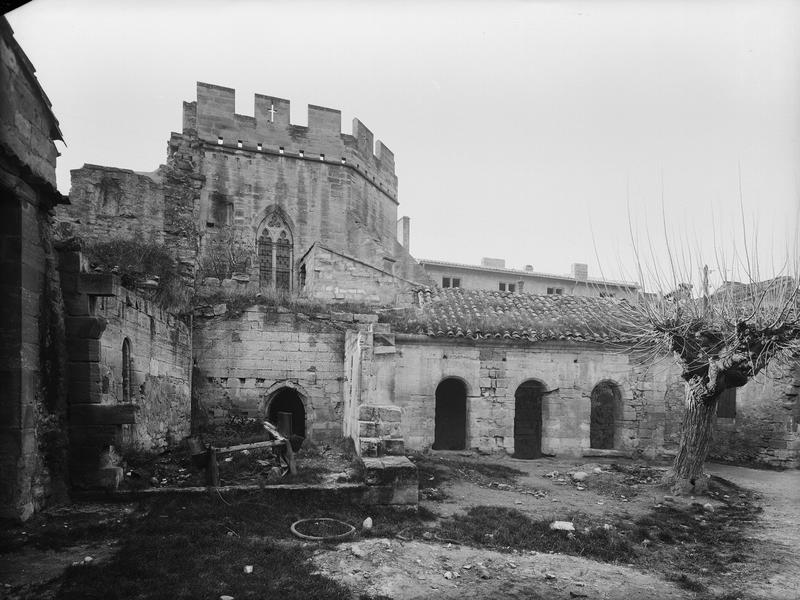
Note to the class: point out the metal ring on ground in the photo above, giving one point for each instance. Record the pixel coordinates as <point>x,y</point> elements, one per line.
<point>323,538</point>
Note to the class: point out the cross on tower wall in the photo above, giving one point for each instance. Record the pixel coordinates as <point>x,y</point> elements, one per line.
<point>213,118</point>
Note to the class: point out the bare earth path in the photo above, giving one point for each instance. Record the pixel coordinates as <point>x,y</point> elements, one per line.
<point>779,528</point>
<point>417,570</point>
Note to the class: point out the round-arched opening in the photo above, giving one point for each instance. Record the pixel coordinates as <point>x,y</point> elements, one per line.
<point>287,413</point>
<point>126,370</point>
<point>528,419</point>
<point>606,410</point>
<point>450,420</point>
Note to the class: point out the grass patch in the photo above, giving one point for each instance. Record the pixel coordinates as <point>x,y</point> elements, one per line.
<point>179,547</point>
<point>687,543</point>
<point>137,261</point>
<point>508,528</point>
<point>57,529</point>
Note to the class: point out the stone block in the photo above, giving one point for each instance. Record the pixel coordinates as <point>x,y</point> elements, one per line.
<point>89,415</point>
<point>342,317</point>
<point>85,327</point>
<point>84,391</point>
<point>109,477</point>
<point>389,414</point>
<point>393,447</point>
<point>391,480</point>
<point>369,447</point>
<point>368,429</point>
<point>98,284</point>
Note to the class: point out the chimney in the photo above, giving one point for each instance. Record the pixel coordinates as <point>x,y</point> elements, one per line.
<point>404,232</point>
<point>493,263</point>
<point>529,267</point>
<point>580,271</point>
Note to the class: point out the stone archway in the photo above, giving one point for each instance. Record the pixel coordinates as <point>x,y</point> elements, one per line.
<point>604,420</point>
<point>450,420</point>
<point>288,400</point>
<point>528,419</point>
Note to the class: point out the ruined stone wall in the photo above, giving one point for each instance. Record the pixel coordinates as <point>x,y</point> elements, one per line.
<point>107,203</point>
<point>492,373</point>
<point>32,409</point>
<point>161,363</point>
<point>765,427</point>
<point>332,276</point>
<point>244,361</point>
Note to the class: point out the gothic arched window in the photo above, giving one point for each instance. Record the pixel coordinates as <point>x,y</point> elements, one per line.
<point>275,254</point>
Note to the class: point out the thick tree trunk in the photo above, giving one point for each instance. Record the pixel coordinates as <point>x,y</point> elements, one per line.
<point>698,419</point>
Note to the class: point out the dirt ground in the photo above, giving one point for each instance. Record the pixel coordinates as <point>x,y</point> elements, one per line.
<point>779,527</point>
<point>409,570</point>
<point>407,567</point>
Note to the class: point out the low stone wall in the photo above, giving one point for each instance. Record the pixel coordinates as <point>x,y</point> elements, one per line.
<point>390,480</point>
<point>160,369</point>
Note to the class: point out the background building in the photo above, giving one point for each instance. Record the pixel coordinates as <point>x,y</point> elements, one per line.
<point>492,274</point>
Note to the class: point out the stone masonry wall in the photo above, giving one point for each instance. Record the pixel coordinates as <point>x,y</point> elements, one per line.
<point>161,363</point>
<point>243,362</point>
<point>492,373</point>
<point>765,428</point>
<point>33,400</point>
<point>334,277</point>
<point>107,203</point>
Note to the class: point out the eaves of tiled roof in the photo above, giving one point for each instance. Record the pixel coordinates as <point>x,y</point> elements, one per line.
<point>569,278</point>
<point>494,315</point>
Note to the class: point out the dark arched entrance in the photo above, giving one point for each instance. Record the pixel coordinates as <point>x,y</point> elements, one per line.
<point>528,420</point>
<point>450,428</point>
<point>288,400</point>
<point>603,421</point>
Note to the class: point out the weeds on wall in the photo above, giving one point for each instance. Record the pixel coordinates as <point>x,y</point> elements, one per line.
<point>227,253</point>
<point>237,302</point>
<point>137,262</point>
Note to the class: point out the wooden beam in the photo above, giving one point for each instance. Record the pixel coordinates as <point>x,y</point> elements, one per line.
<point>253,446</point>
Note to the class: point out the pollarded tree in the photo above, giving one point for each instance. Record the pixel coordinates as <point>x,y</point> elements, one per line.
<point>719,341</point>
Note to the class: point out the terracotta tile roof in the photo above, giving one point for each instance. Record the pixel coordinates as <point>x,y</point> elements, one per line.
<point>484,315</point>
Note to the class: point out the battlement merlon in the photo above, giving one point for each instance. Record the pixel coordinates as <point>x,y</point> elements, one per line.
<point>213,116</point>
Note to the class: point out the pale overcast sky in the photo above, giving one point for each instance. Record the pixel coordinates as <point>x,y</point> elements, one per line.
<point>518,127</point>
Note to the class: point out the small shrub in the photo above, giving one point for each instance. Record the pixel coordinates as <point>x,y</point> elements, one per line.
<point>137,261</point>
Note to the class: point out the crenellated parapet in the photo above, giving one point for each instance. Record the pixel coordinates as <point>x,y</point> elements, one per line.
<point>269,131</point>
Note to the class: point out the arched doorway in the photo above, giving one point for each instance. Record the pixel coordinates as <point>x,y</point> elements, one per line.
<point>450,421</point>
<point>606,401</point>
<point>528,419</point>
<point>287,400</point>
